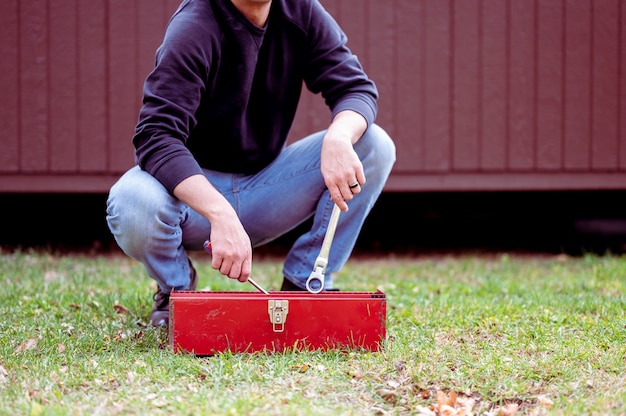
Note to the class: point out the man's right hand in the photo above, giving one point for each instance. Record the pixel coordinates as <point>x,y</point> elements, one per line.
<point>232,250</point>
<point>231,246</point>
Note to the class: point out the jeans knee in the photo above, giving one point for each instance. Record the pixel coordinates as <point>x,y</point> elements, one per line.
<point>380,150</point>
<point>385,147</point>
<point>135,209</point>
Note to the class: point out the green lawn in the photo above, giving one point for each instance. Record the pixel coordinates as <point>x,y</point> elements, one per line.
<point>467,334</point>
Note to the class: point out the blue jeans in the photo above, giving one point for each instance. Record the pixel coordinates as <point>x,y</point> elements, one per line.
<point>156,229</point>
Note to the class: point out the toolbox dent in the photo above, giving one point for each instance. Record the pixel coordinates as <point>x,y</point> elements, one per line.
<point>206,323</point>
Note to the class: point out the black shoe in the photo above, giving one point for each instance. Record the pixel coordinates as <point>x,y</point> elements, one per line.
<point>161,311</point>
<point>289,286</point>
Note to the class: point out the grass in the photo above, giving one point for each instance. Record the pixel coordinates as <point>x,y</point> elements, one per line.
<point>467,334</point>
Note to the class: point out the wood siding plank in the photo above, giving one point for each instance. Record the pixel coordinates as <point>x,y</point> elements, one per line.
<point>605,78</point>
<point>93,78</point>
<point>354,23</point>
<point>124,87</point>
<point>150,28</point>
<point>170,7</point>
<point>382,58</point>
<point>622,87</point>
<point>550,85</point>
<point>437,86</point>
<point>466,85</point>
<point>9,85</point>
<point>506,181</point>
<point>33,85</point>
<point>522,79</point>
<point>63,104</point>
<point>494,94</point>
<point>309,108</point>
<point>408,104</point>
<point>577,105</point>
<point>313,114</point>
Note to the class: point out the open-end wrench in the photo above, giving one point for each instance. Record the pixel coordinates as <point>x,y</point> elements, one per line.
<point>209,249</point>
<point>315,282</point>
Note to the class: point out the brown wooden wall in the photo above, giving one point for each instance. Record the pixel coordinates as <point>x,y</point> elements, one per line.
<point>478,94</point>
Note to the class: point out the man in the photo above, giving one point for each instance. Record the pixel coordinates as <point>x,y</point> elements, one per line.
<point>210,145</point>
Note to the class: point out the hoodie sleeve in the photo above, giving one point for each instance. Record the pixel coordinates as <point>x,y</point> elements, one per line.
<point>171,96</point>
<point>334,71</point>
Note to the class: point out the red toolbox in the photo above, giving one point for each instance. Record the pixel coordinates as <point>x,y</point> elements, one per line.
<point>205,323</point>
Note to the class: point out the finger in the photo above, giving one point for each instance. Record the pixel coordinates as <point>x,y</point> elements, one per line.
<point>355,188</point>
<point>360,177</point>
<point>235,271</point>
<point>348,190</point>
<point>246,270</point>
<point>216,262</point>
<point>226,268</point>
<point>339,198</point>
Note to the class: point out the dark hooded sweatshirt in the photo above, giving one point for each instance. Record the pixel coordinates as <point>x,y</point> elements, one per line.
<point>223,93</point>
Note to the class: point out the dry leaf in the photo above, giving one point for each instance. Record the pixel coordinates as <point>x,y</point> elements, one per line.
<point>447,410</point>
<point>452,399</point>
<point>544,401</point>
<point>130,377</point>
<point>444,399</point>
<point>69,329</point>
<point>4,374</point>
<point>30,344</point>
<point>50,276</point>
<point>466,404</point>
<point>453,405</point>
<point>400,366</point>
<point>61,348</point>
<point>120,309</point>
<point>441,398</point>
<point>509,409</point>
<point>424,411</point>
<point>393,384</point>
<point>355,373</point>
<point>388,395</point>
<point>302,368</point>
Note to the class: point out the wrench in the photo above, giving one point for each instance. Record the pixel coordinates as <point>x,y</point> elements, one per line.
<point>315,282</point>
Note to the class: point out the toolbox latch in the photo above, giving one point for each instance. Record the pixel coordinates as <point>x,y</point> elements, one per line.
<point>278,310</point>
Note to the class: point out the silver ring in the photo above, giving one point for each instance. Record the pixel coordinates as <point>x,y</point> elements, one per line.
<point>354,185</point>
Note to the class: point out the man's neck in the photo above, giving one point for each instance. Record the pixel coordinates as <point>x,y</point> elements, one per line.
<point>255,11</point>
